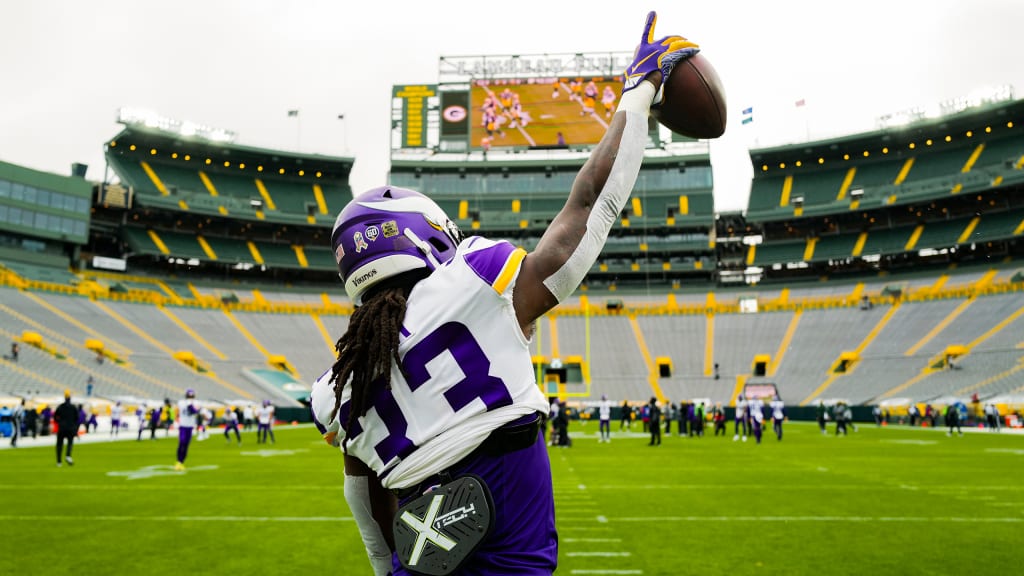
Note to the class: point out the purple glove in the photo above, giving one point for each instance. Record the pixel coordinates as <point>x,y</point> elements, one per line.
<point>652,55</point>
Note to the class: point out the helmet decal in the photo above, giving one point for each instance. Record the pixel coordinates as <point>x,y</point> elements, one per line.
<point>388,231</point>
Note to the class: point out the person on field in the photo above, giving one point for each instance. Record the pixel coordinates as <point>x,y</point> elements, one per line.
<point>66,416</point>
<point>433,387</point>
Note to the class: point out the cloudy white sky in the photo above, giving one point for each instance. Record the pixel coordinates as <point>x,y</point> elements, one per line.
<point>68,65</point>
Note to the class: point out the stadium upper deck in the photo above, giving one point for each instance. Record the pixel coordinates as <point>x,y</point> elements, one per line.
<point>947,190</point>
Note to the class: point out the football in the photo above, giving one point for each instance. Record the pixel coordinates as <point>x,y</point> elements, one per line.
<point>694,103</point>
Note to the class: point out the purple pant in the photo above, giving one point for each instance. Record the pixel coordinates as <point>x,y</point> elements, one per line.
<point>523,540</point>
<point>184,439</point>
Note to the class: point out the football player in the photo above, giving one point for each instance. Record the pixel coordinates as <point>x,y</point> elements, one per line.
<point>741,419</point>
<point>264,423</point>
<point>756,411</point>
<point>433,382</point>
<point>116,411</point>
<point>604,415</point>
<point>231,424</point>
<point>608,99</point>
<point>778,408</point>
<point>187,410</point>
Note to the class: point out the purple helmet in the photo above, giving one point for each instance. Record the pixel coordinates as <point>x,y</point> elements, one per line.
<point>388,231</point>
<point>190,393</point>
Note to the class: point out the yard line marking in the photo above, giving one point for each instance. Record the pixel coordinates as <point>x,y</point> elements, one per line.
<point>1006,450</point>
<point>598,554</point>
<point>33,518</point>
<point>589,540</point>
<point>564,528</point>
<point>270,453</point>
<point>911,441</point>
<point>797,487</point>
<point>954,519</point>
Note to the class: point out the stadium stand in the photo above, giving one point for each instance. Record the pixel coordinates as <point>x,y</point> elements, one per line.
<point>865,267</point>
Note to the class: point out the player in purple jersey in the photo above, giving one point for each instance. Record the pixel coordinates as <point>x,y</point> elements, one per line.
<point>187,411</point>
<point>231,423</point>
<point>778,408</point>
<point>433,383</point>
<point>116,411</point>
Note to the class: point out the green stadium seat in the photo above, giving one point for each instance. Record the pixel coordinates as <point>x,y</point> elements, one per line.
<point>997,226</point>
<point>929,164</point>
<point>278,255</point>
<point>942,234</point>
<point>765,193</point>
<point>769,253</point>
<point>230,249</point>
<point>320,258</point>
<point>835,247</point>
<point>998,152</point>
<point>887,241</point>
<point>817,187</point>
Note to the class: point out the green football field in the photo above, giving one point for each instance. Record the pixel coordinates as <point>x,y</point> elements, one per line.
<point>880,501</point>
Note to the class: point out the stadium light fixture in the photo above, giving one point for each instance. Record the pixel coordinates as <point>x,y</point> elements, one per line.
<point>256,203</point>
<point>150,119</point>
<point>856,193</point>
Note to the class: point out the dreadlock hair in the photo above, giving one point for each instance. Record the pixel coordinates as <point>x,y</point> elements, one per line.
<point>368,347</point>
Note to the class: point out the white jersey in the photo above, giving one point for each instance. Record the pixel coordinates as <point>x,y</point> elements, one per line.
<point>468,366</point>
<point>115,412</point>
<point>248,413</point>
<point>187,410</point>
<point>230,417</point>
<point>778,407</point>
<point>741,408</point>
<point>755,408</point>
<point>265,414</point>
<point>604,410</point>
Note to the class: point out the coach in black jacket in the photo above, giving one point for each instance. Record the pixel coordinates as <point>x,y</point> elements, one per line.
<point>66,417</point>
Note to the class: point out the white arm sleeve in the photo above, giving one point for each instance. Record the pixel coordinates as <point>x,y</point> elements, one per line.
<point>357,494</point>
<point>636,105</point>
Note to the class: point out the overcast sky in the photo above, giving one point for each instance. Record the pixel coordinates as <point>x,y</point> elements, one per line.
<point>68,65</point>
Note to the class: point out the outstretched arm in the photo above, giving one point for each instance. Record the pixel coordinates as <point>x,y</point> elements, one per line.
<point>570,246</point>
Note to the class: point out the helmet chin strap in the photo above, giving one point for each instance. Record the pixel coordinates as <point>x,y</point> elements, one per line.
<point>424,247</point>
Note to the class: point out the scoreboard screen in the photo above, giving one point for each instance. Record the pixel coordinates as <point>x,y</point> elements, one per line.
<point>554,112</point>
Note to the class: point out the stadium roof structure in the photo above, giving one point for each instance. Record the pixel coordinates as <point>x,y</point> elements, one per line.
<point>167,143</point>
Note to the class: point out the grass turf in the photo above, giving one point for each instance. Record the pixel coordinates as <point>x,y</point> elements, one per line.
<point>880,501</point>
